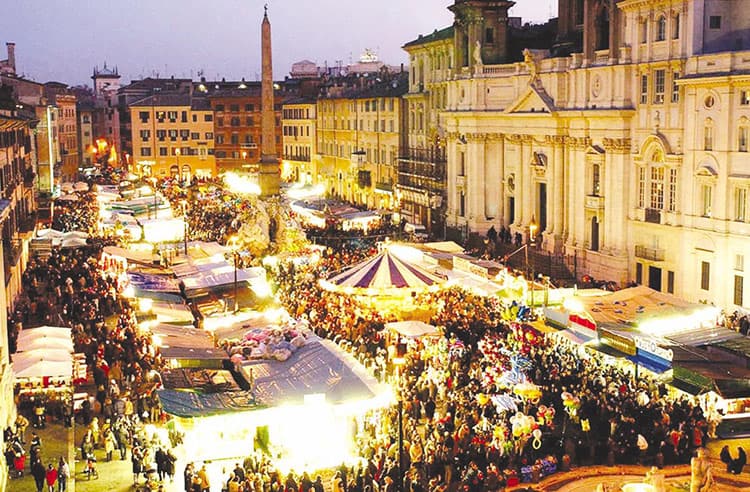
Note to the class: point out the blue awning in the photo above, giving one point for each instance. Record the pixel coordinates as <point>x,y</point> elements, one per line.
<point>651,362</point>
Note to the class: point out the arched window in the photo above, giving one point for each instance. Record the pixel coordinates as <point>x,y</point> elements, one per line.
<point>708,134</point>
<point>661,28</point>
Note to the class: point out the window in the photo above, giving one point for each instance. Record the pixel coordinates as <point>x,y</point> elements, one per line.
<point>739,282</point>
<point>195,118</point>
<point>235,139</point>
<point>209,135</point>
<point>659,82</point>
<point>249,121</point>
<point>219,107</point>
<point>184,117</point>
<point>672,191</point>
<point>739,263</point>
<point>644,89</point>
<point>184,134</point>
<point>742,139</point>
<point>670,282</point>
<point>676,27</point>
<point>208,117</point>
<point>740,204</point>
<point>661,28</point>
<point>143,115</point>
<point>173,135</point>
<point>641,187</point>
<point>745,98</point>
<point>489,36</point>
<point>219,139</point>
<point>234,108</point>
<point>714,22</point>
<point>220,121</point>
<point>248,107</point>
<point>145,151</point>
<point>639,273</point>
<point>705,275</point>
<point>235,121</point>
<point>195,135</point>
<point>163,151</point>
<point>161,135</point>
<point>461,204</point>
<point>461,164</point>
<point>644,31</point>
<point>675,87</point>
<point>160,115</point>
<point>708,135</point>
<point>145,135</point>
<point>595,179</point>
<point>172,116</point>
<point>706,199</point>
<point>657,188</point>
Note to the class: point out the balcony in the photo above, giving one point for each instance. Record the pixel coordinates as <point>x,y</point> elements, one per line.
<point>651,254</point>
<point>594,202</point>
<point>295,157</point>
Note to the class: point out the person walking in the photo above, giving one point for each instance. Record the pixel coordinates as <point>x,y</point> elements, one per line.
<point>63,474</point>
<point>51,477</point>
<point>39,474</point>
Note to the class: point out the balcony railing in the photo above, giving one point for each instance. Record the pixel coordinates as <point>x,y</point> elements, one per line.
<point>295,157</point>
<point>652,254</point>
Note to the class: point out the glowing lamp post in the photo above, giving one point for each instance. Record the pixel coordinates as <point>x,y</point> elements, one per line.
<point>234,245</point>
<point>184,204</point>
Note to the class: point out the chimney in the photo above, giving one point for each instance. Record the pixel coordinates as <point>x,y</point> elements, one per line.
<point>11,55</point>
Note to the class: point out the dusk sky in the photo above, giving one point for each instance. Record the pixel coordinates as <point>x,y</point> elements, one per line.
<point>63,40</point>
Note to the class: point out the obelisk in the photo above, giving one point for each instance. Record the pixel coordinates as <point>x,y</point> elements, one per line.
<point>269,173</point>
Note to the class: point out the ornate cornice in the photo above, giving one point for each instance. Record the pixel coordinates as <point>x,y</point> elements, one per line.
<point>620,145</point>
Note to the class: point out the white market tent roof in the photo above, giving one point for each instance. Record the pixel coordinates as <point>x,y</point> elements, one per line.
<point>45,343</point>
<point>43,363</point>
<point>412,329</point>
<point>43,331</point>
<point>219,274</point>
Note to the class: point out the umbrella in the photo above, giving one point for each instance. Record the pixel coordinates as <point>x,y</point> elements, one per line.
<point>412,329</point>
<point>81,186</point>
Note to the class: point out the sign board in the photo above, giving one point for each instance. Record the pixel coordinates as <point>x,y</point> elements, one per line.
<point>624,344</point>
<point>652,347</point>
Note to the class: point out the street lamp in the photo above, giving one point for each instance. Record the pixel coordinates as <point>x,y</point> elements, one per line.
<point>184,204</point>
<point>234,245</point>
<point>177,153</point>
<point>399,362</point>
<point>532,236</point>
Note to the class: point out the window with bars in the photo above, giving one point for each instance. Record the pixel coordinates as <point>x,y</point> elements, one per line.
<point>641,187</point>
<point>708,135</point>
<point>706,199</point>
<point>672,191</point>
<point>660,77</point>
<point>740,204</point>
<point>657,188</point>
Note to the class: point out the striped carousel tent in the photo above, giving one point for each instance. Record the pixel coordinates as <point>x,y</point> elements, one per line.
<point>383,275</point>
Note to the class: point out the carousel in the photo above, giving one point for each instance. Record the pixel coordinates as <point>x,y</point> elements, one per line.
<point>386,281</point>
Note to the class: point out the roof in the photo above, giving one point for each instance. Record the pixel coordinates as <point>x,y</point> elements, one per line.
<point>436,35</point>
<point>162,99</point>
<point>200,104</point>
<point>300,100</point>
<point>189,404</point>
<point>318,367</point>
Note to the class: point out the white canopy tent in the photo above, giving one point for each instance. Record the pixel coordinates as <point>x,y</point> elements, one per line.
<point>43,331</point>
<point>412,329</point>
<point>42,363</point>
<point>45,343</point>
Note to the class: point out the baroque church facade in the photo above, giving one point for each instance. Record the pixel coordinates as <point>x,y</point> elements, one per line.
<point>626,142</point>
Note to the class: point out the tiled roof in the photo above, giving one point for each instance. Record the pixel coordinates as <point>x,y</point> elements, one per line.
<point>164,100</point>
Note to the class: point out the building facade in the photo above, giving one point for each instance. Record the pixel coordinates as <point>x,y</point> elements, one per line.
<point>237,131</point>
<point>106,114</point>
<point>626,151</point>
<point>298,140</point>
<point>64,99</point>
<point>360,136</point>
<point>172,136</point>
